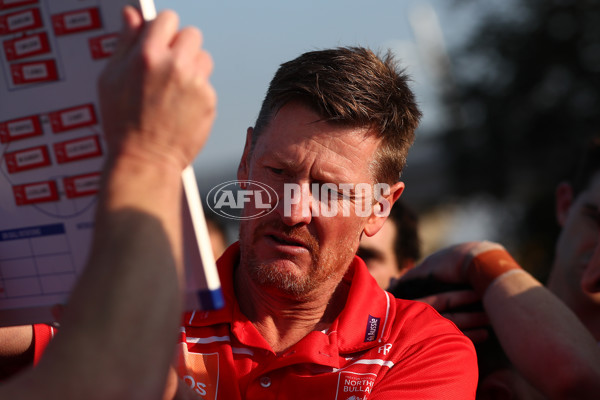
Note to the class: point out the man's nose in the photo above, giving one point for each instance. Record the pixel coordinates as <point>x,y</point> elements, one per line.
<point>296,205</point>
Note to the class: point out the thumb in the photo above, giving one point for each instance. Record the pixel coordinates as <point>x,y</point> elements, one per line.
<point>132,24</point>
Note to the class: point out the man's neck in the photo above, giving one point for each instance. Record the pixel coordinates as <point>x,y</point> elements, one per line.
<point>283,320</point>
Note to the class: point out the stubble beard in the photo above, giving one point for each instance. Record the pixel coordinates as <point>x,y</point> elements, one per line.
<point>323,266</point>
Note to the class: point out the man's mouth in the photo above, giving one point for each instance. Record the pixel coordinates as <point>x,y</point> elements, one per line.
<point>286,240</point>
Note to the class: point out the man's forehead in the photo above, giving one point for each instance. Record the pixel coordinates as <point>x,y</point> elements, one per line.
<point>296,112</point>
<point>297,134</point>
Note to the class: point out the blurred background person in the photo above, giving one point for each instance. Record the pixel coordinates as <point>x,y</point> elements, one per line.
<point>575,273</point>
<point>542,340</point>
<point>395,249</point>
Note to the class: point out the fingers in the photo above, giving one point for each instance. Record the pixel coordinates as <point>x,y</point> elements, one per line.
<point>132,24</point>
<point>473,324</point>
<point>194,62</point>
<point>182,47</point>
<point>161,31</point>
<point>157,92</point>
<point>186,39</point>
<point>445,301</point>
<point>204,64</point>
<point>132,19</point>
<point>450,264</point>
<point>444,265</point>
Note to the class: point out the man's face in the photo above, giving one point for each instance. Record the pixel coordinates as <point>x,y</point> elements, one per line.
<point>291,250</point>
<point>575,276</point>
<point>378,253</point>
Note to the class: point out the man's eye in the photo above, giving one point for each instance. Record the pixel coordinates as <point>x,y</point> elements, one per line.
<point>328,193</point>
<point>344,195</point>
<point>276,171</point>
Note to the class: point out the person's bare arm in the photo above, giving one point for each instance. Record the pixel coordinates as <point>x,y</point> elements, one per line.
<point>16,349</point>
<point>541,336</point>
<point>120,325</point>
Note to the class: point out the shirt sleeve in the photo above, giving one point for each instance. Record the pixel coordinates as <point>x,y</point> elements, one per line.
<point>42,334</point>
<point>440,367</point>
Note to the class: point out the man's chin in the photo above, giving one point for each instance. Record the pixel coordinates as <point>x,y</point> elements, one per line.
<point>282,275</point>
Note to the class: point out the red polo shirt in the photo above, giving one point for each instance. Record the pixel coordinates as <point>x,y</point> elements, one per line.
<point>379,347</point>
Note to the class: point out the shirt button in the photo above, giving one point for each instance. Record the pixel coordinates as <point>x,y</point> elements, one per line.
<point>265,381</point>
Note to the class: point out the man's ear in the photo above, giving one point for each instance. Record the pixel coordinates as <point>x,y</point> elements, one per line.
<point>244,167</point>
<point>564,200</point>
<point>382,207</point>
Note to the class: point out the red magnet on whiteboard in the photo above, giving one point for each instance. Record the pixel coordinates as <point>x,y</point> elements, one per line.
<point>73,118</point>
<point>20,128</point>
<point>82,185</point>
<point>27,46</point>
<point>20,21</point>
<point>77,149</point>
<point>22,160</point>
<point>76,21</point>
<point>36,71</point>
<point>39,192</point>
<point>103,46</point>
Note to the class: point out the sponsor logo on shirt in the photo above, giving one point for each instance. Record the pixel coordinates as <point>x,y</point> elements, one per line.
<point>354,386</point>
<point>372,328</point>
<point>203,374</point>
